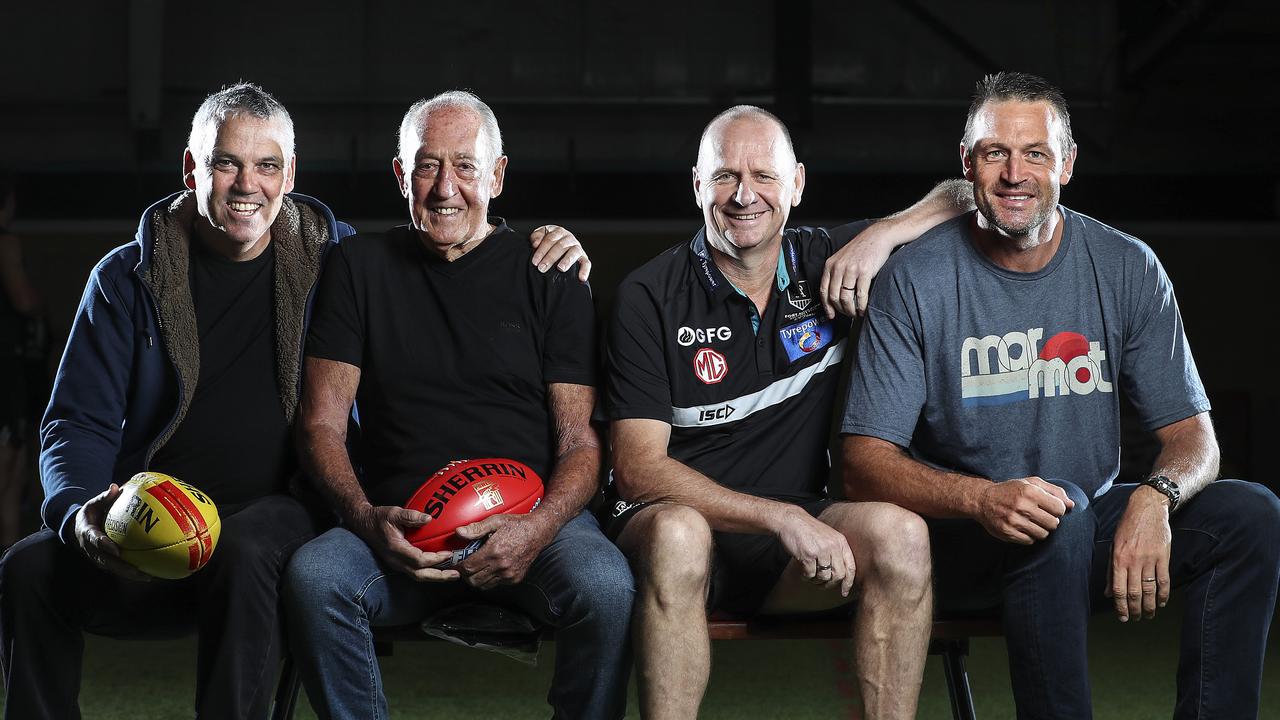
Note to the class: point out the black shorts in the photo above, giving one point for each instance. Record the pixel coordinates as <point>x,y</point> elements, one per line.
<point>744,566</point>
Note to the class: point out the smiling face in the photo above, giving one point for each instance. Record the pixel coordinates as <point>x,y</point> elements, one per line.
<point>451,182</point>
<point>746,182</point>
<point>1014,158</point>
<point>239,185</point>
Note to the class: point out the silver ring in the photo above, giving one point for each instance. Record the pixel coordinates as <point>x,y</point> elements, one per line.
<point>1148,579</point>
<point>823,567</point>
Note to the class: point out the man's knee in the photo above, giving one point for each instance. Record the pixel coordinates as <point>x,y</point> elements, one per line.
<point>29,568</point>
<point>603,581</point>
<point>671,548</point>
<point>889,543</point>
<point>1078,526</point>
<point>1247,510</point>
<point>317,572</point>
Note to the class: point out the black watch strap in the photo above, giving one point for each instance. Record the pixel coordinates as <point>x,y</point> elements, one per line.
<point>1166,487</point>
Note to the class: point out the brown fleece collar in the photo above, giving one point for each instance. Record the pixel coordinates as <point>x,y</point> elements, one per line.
<point>299,234</point>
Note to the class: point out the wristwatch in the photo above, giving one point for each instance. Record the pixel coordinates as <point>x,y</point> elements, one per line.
<point>1166,487</point>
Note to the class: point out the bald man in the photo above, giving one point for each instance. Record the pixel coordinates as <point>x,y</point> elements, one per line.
<point>723,371</point>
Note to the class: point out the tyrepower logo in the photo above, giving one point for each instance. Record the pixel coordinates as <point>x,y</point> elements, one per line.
<point>687,336</point>
<point>710,366</point>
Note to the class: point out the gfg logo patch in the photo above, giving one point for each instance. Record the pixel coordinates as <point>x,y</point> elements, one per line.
<point>687,336</point>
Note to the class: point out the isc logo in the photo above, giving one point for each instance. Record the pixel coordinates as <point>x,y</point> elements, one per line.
<point>720,413</point>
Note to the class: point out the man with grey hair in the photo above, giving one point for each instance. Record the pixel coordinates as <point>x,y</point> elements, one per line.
<point>722,383</point>
<point>985,397</point>
<point>184,359</point>
<point>452,347</point>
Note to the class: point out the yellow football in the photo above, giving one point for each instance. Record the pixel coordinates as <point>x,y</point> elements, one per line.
<point>164,527</point>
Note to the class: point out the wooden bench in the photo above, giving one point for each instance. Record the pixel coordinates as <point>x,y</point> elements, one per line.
<point>950,639</point>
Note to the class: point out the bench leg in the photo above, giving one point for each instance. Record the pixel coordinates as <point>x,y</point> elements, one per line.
<point>286,691</point>
<point>953,654</point>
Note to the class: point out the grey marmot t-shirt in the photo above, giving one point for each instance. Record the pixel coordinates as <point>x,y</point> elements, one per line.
<point>1001,374</point>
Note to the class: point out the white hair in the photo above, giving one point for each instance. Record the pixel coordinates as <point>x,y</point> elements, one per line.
<point>414,124</point>
<point>238,100</point>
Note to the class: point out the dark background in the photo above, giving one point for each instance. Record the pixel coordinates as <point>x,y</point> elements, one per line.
<point>1174,106</point>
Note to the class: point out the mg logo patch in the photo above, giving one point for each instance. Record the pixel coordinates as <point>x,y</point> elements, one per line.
<point>710,366</point>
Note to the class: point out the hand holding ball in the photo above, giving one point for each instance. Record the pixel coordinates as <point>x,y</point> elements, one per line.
<point>163,526</point>
<point>467,491</point>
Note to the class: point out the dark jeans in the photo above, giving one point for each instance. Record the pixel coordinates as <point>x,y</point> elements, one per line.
<point>580,584</point>
<point>1225,560</point>
<point>50,593</point>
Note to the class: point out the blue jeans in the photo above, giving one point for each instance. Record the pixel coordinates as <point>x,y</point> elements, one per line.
<point>1225,560</point>
<point>336,590</point>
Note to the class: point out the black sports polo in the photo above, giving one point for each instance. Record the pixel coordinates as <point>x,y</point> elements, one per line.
<point>749,398</point>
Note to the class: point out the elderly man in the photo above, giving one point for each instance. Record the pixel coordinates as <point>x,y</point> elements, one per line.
<point>722,383</point>
<point>451,347</point>
<point>184,358</point>
<point>986,398</point>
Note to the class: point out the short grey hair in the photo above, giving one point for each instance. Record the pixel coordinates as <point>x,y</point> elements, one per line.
<point>1022,87</point>
<point>414,124</point>
<point>239,100</point>
<point>741,111</point>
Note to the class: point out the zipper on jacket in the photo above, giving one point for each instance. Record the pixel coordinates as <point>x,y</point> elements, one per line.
<point>155,307</point>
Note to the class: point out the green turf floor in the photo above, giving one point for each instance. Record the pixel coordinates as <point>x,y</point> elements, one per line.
<point>1132,667</point>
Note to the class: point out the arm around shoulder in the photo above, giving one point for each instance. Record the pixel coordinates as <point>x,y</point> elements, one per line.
<point>847,276</point>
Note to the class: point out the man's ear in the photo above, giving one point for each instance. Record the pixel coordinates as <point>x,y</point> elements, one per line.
<point>188,169</point>
<point>291,173</point>
<point>1068,167</point>
<point>398,168</point>
<point>697,189</point>
<point>499,174</point>
<point>966,163</point>
<point>799,185</point>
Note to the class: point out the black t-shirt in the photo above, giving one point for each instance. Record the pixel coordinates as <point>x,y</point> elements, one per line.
<point>234,441</point>
<point>749,407</point>
<point>454,357</point>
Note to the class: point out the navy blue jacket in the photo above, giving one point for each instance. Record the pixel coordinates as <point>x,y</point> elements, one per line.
<point>131,362</point>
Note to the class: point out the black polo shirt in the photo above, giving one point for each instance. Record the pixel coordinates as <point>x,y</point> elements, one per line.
<point>749,398</point>
<point>454,357</point>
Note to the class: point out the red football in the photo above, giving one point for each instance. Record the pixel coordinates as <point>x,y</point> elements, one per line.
<point>466,491</point>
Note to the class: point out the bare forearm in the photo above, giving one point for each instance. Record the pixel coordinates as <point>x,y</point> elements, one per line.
<point>328,393</point>
<point>876,470</point>
<point>326,462</point>
<point>664,479</point>
<point>946,200</point>
<point>572,483</point>
<point>1189,454</point>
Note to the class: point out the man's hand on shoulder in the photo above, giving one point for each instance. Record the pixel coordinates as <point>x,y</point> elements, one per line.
<point>1022,510</point>
<point>554,245</point>
<point>847,275</point>
<point>1140,556</point>
<point>514,541</point>
<point>382,527</point>
<point>820,549</point>
<point>91,536</point>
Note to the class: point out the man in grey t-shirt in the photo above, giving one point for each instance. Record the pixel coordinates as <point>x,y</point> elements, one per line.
<point>986,398</point>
